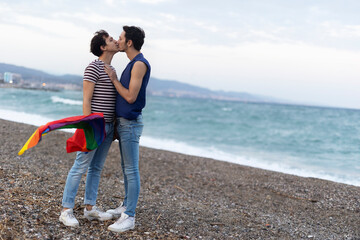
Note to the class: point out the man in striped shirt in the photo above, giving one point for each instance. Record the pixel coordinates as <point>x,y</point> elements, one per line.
<point>99,95</point>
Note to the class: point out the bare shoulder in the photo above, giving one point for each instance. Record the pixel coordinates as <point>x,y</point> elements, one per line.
<point>140,65</point>
<point>139,68</point>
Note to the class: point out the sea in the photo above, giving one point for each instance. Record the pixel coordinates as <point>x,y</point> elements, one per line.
<point>308,141</point>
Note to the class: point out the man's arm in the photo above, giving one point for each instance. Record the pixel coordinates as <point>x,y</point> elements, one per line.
<point>88,90</point>
<point>137,74</point>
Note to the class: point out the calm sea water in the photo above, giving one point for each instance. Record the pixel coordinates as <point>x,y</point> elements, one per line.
<point>306,141</point>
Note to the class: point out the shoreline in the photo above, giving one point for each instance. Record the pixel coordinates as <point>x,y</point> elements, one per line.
<point>50,89</point>
<point>182,196</point>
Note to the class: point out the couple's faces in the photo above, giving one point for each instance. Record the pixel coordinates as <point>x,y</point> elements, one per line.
<point>119,45</point>
<point>122,43</point>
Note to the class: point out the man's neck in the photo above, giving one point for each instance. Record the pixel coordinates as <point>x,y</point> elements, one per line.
<point>131,53</point>
<point>107,57</point>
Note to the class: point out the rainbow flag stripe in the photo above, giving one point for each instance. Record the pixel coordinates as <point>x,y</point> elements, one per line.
<point>89,135</point>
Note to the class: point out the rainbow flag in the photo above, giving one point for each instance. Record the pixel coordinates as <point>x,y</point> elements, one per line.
<point>89,135</point>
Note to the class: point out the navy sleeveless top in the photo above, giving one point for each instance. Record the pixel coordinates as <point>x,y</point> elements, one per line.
<point>123,108</point>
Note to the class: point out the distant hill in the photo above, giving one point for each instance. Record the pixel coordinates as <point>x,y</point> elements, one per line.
<point>33,75</point>
<point>156,87</point>
<point>172,88</point>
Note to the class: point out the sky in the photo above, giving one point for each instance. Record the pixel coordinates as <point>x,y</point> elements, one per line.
<point>307,51</point>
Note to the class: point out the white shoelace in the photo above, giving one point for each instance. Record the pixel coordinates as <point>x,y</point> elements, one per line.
<point>121,219</point>
<point>118,208</point>
<point>70,215</point>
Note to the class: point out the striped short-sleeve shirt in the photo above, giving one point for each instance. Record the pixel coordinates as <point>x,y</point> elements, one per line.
<point>104,96</point>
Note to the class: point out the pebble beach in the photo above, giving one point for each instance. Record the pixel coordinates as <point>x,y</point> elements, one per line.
<point>182,197</point>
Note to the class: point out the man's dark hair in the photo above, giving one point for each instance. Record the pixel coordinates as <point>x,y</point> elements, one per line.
<point>136,35</point>
<point>97,41</point>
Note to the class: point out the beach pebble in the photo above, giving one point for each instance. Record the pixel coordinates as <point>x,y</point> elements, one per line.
<point>211,200</point>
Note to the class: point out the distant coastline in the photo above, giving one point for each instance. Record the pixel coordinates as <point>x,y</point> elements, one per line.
<point>157,87</point>
<point>30,88</point>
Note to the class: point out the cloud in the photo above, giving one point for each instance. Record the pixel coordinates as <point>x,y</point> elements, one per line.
<point>92,17</point>
<point>109,2</point>
<point>263,35</point>
<point>46,52</point>
<point>153,1</point>
<point>170,17</point>
<point>343,31</point>
<point>50,26</point>
<point>295,71</point>
<point>4,8</point>
<point>318,11</point>
<point>207,27</point>
<point>353,30</point>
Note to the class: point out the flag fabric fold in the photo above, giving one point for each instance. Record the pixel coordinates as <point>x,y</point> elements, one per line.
<point>89,135</point>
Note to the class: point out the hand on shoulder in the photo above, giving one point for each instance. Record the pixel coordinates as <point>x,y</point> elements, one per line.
<point>110,72</point>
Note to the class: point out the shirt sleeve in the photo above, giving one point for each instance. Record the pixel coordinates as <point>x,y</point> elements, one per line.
<point>91,73</point>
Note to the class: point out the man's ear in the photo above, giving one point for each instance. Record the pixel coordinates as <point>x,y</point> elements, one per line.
<point>103,48</point>
<point>129,43</point>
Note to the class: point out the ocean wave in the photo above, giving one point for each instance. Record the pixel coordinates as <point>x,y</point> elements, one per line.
<point>27,118</point>
<point>22,117</point>
<point>225,109</point>
<point>207,152</point>
<point>56,99</point>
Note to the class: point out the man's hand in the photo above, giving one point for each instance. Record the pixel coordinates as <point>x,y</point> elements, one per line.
<point>112,74</point>
<point>137,74</point>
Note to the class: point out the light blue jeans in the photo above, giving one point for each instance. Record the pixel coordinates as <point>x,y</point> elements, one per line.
<point>129,133</point>
<point>93,163</point>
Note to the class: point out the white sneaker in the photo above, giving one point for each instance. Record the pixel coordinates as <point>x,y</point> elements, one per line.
<point>124,223</point>
<point>117,211</point>
<point>68,219</point>
<point>96,213</point>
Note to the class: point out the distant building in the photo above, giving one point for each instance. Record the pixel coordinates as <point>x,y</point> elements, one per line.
<point>16,78</point>
<point>12,77</point>
<point>8,77</point>
<point>1,78</point>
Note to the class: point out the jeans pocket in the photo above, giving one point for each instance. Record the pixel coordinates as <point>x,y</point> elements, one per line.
<point>125,133</point>
<point>137,130</point>
<point>130,130</point>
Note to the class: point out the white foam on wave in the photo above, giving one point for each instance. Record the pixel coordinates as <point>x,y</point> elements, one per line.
<point>181,147</point>
<point>57,99</point>
<point>22,117</point>
<point>27,118</point>
<point>226,109</point>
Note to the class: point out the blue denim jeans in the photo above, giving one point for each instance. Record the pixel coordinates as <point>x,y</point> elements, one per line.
<point>129,135</point>
<point>93,163</point>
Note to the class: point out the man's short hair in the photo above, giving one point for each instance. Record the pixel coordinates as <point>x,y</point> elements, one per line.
<point>136,35</point>
<point>97,41</point>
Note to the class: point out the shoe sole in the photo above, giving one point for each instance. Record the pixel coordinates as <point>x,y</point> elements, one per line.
<point>100,219</point>
<point>120,230</point>
<point>115,215</point>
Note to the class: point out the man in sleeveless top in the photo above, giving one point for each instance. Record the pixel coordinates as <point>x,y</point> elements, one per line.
<point>99,95</point>
<point>130,101</point>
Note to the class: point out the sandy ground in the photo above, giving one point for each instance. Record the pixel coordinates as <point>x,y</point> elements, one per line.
<point>182,197</point>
